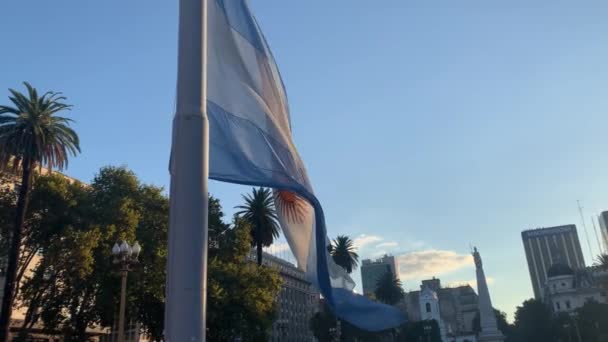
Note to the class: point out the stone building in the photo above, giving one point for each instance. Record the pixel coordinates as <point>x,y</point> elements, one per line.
<point>567,290</point>
<point>457,308</point>
<point>298,301</point>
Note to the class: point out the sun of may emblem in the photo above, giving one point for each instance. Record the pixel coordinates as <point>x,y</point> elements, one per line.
<point>292,206</point>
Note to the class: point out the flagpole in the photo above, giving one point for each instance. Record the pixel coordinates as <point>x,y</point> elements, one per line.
<point>185,307</point>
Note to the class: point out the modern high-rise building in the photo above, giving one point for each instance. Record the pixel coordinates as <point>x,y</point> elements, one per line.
<point>372,270</point>
<point>548,246</point>
<point>603,218</point>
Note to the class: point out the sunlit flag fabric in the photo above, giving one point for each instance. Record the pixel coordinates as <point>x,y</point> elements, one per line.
<point>251,143</point>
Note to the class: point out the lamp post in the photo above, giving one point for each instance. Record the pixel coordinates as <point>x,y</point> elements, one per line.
<point>124,256</point>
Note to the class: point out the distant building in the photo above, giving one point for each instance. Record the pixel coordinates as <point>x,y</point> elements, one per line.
<point>372,270</point>
<point>546,246</point>
<point>458,307</point>
<point>429,308</point>
<point>298,302</point>
<point>567,290</point>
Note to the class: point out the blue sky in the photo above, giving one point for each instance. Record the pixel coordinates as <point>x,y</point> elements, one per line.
<point>425,126</point>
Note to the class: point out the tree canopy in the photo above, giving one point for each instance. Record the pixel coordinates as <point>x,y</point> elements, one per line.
<point>259,212</point>
<point>388,289</point>
<point>343,251</point>
<point>75,285</point>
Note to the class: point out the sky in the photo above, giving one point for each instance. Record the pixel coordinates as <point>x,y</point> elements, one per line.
<point>426,127</point>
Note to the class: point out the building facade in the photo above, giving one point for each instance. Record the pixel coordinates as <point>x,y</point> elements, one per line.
<point>546,246</point>
<point>458,307</point>
<point>372,270</point>
<point>297,302</point>
<point>567,290</point>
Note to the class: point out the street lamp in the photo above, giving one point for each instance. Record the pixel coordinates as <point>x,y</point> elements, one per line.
<point>124,256</point>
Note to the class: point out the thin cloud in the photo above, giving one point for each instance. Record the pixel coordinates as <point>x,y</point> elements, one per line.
<point>428,263</point>
<point>472,282</point>
<point>363,240</point>
<point>387,244</point>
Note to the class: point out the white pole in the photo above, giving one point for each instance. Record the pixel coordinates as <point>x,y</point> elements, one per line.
<point>187,260</point>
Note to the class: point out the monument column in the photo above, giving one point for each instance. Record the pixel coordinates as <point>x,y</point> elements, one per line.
<point>489,328</point>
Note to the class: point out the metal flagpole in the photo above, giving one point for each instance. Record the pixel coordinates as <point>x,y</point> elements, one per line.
<point>187,260</point>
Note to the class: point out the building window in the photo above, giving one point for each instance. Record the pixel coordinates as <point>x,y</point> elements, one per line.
<point>428,307</point>
<point>554,287</point>
<point>557,306</point>
<point>563,284</point>
<point>567,304</point>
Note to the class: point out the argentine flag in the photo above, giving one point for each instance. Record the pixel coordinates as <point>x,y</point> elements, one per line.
<point>251,144</point>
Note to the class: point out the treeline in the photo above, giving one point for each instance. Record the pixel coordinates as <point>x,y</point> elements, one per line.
<point>69,230</point>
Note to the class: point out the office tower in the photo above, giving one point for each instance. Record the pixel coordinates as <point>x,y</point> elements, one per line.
<point>545,247</point>
<point>372,270</point>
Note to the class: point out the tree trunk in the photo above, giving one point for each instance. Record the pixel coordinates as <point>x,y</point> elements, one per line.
<point>13,254</point>
<point>259,246</point>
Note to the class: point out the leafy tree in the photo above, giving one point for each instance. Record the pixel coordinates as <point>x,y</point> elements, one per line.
<point>324,327</point>
<point>602,260</point>
<point>323,324</point>
<point>7,215</point>
<point>31,134</point>
<point>241,296</point>
<point>344,253</point>
<point>388,289</point>
<point>85,293</point>
<point>592,320</point>
<point>75,285</point>
<point>260,212</point>
<point>501,320</point>
<point>420,331</point>
<point>52,212</point>
<point>533,322</point>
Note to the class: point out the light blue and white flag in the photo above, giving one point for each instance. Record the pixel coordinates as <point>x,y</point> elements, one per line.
<point>251,143</point>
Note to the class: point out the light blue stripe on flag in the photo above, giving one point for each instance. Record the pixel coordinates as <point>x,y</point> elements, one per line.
<point>251,143</point>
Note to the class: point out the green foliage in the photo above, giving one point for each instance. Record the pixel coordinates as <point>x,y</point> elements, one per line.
<point>259,211</point>
<point>602,261</point>
<point>75,284</point>
<point>344,253</point>
<point>241,296</point>
<point>324,327</point>
<point>8,201</point>
<point>31,132</point>
<point>535,322</point>
<point>388,289</point>
<point>73,227</point>
<point>420,331</point>
<point>592,320</point>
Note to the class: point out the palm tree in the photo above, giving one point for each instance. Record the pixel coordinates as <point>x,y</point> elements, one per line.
<point>602,260</point>
<point>343,251</point>
<point>260,212</point>
<point>388,289</point>
<point>31,135</point>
